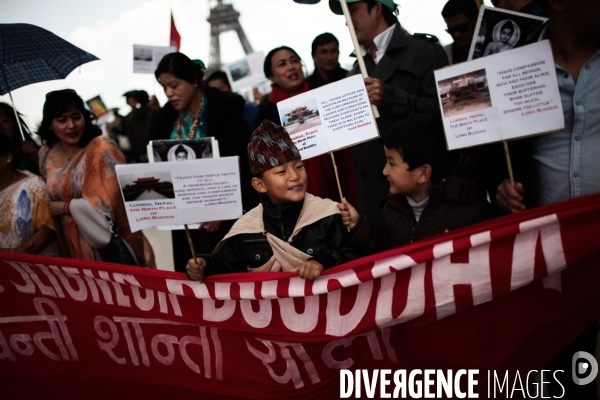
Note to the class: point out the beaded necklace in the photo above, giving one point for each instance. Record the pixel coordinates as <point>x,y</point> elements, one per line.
<point>194,125</point>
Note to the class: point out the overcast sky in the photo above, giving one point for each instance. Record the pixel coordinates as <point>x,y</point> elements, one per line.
<point>109,29</point>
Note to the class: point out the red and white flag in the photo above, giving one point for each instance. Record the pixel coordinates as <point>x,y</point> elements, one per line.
<point>504,295</point>
<point>175,37</point>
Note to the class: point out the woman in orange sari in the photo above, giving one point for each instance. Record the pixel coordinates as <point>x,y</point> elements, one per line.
<point>78,164</point>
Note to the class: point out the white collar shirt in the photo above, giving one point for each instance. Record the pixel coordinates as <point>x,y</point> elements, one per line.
<point>381,42</point>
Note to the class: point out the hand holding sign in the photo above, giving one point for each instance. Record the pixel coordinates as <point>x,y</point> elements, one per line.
<point>195,269</point>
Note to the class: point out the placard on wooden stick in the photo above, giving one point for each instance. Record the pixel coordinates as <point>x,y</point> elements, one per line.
<point>178,193</point>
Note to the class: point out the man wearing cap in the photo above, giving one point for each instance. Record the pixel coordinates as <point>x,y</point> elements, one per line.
<point>400,84</point>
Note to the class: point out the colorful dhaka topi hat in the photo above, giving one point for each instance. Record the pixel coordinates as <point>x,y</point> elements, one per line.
<point>270,146</point>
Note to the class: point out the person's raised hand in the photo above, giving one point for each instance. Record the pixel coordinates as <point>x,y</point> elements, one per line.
<point>510,198</point>
<point>310,269</point>
<point>212,226</point>
<point>349,214</point>
<point>374,90</point>
<point>195,269</point>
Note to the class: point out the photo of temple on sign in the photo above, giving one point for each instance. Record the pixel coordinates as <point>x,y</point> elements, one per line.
<point>464,93</point>
<point>148,187</point>
<point>301,117</point>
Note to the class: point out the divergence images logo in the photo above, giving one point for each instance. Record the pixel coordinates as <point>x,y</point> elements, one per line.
<point>582,364</point>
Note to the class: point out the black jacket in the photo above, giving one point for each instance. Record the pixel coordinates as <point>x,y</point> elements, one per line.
<point>327,241</point>
<point>453,204</point>
<point>316,81</point>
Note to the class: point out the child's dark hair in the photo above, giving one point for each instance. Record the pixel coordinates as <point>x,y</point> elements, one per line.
<point>59,102</point>
<point>420,140</point>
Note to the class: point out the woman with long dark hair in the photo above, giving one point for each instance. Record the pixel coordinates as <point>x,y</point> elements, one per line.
<point>283,67</point>
<point>78,164</point>
<point>194,111</point>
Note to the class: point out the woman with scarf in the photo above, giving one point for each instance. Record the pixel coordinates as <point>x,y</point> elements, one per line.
<point>195,111</point>
<point>283,67</point>
<point>78,164</point>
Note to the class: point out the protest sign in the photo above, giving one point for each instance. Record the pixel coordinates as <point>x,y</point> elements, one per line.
<point>182,150</point>
<point>507,294</point>
<point>97,106</point>
<point>146,58</point>
<point>500,97</point>
<point>176,193</point>
<point>499,30</point>
<point>246,72</point>
<point>329,118</point>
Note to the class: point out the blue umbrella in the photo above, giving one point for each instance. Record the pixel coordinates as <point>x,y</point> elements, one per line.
<point>30,54</point>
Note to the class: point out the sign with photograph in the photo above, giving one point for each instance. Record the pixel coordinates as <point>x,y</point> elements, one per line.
<point>146,58</point>
<point>176,193</point>
<point>182,150</point>
<point>97,106</point>
<point>246,72</point>
<point>329,118</point>
<point>498,30</point>
<point>500,97</point>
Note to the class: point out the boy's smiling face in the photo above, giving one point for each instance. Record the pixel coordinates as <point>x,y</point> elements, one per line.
<point>283,184</point>
<point>415,183</point>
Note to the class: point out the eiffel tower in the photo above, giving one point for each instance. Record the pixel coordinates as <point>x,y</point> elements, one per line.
<point>223,18</point>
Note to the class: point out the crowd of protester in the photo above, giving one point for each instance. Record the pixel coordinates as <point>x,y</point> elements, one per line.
<point>401,187</point>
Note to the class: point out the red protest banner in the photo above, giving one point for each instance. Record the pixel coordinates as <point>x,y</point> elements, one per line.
<point>508,294</point>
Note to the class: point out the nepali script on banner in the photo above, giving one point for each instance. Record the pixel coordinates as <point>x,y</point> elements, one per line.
<point>507,294</point>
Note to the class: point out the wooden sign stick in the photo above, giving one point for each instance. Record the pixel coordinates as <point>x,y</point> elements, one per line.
<point>189,238</point>
<point>510,171</point>
<point>337,178</point>
<point>359,57</point>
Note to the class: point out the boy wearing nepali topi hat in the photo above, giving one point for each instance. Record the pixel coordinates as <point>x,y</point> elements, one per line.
<point>290,230</point>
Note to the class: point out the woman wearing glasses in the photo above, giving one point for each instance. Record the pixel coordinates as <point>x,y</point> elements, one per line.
<point>78,164</point>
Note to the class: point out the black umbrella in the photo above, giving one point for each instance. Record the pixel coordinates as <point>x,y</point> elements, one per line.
<point>30,54</point>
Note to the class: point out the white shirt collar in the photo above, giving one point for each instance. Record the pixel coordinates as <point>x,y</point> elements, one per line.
<point>381,41</point>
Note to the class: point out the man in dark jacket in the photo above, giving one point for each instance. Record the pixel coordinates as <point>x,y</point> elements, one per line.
<point>325,53</point>
<point>461,18</point>
<point>290,230</point>
<point>424,199</point>
<point>400,84</point>
<point>136,125</point>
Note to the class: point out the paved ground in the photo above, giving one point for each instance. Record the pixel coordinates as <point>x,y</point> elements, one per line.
<point>163,250</point>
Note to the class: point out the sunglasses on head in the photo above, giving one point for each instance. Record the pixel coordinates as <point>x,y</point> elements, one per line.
<point>462,28</point>
<point>52,93</point>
